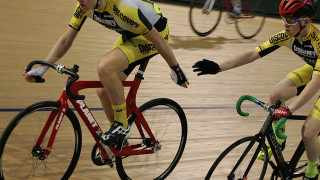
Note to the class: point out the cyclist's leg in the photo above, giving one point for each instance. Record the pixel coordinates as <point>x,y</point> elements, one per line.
<point>291,85</point>
<point>310,131</point>
<point>236,7</point>
<point>118,59</point>
<point>105,101</point>
<point>284,90</point>
<point>108,68</point>
<point>287,88</point>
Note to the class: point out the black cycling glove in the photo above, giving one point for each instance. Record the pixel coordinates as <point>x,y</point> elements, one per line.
<point>206,67</point>
<point>178,75</point>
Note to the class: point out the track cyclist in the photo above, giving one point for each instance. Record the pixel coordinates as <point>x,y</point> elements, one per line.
<point>144,32</point>
<point>303,38</point>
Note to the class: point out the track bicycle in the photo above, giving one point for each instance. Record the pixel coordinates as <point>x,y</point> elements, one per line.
<point>205,15</point>
<point>44,140</point>
<point>239,161</point>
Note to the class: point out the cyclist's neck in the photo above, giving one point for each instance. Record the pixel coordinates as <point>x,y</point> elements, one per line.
<point>101,5</point>
<point>303,33</point>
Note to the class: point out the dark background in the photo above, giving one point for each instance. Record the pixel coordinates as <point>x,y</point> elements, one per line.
<point>272,7</point>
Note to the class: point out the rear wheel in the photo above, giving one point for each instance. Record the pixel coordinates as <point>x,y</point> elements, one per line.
<point>251,20</point>
<point>239,161</point>
<point>20,159</point>
<point>202,18</point>
<point>168,124</point>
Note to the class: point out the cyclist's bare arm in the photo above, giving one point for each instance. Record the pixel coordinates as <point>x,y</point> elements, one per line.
<point>308,92</point>
<point>239,60</point>
<point>161,45</point>
<point>62,45</point>
<point>163,48</point>
<point>59,49</point>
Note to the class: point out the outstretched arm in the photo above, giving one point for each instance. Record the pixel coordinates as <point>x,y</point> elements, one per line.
<point>211,67</point>
<point>239,60</point>
<point>58,50</point>
<point>62,45</point>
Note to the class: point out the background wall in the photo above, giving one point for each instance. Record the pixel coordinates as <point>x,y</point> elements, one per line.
<point>272,7</point>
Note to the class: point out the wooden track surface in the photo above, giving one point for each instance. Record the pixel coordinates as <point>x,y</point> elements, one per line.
<point>29,30</point>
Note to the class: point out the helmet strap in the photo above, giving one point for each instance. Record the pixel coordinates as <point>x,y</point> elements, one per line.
<point>97,5</point>
<point>301,28</point>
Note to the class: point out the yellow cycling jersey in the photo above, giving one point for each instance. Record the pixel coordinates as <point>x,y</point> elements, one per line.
<point>308,49</point>
<point>127,17</point>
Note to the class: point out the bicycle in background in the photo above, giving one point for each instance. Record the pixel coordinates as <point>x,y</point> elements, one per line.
<point>239,161</point>
<point>205,15</point>
<point>44,140</point>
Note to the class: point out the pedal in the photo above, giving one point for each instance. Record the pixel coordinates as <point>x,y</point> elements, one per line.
<point>109,162</point>
<point>98,159</point>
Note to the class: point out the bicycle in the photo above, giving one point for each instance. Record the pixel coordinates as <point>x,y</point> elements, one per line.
<point>40,142</point>
<point>239,160</point>
<point>205,15</point>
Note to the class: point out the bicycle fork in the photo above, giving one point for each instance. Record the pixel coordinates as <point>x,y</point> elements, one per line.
<point>208,6</point>
<point>43,153</point>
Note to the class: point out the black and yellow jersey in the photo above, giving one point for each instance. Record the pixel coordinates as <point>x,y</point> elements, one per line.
<point>127,17</point>
<point>308,49</point>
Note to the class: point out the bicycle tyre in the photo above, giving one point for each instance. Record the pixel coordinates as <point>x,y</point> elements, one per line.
<point>230,157</point>
<point>19,137</point>
<point>204,23</point>
<point>248,28</point>
<point>165,118</point>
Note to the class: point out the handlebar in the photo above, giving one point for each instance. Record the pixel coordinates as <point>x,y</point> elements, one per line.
<point>266,107</point>
<point>63,70</point>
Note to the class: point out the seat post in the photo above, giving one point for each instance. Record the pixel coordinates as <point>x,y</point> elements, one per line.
<point>142,69</point>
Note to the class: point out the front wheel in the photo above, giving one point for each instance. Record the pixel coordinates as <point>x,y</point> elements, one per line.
<point>168,124</point>
<point>239,161</point>
<point>251,20</point>
<point>21,159</point>
<point>204,16</point>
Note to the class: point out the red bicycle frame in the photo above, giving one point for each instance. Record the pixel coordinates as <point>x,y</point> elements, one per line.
<point>90,121</point>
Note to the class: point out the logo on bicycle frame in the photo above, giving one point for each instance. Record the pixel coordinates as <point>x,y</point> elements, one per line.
<point>88,114</point>
<point>60,118</point>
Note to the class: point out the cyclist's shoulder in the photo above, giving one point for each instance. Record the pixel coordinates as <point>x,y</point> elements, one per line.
<point>79,16</point>
<point>314,33</point>
<point>132,6</point>
<point>280,37</point>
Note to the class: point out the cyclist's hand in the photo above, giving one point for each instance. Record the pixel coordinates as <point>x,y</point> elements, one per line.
<point>282,112</point>
<point>35,75</point>
<point>206,67</point>
<point>179,76</point>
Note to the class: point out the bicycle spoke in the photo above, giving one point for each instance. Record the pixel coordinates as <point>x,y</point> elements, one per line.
<point>20,160</point>
<point>169,129</point>
<point>239,161</point>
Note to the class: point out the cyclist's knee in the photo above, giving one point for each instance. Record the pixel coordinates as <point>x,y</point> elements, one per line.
<point>105,68</point>
<point>101,92</point>
<point>274,96</point>
<point>284,90</point>
<point>308,134</point>
<point>110,67</point>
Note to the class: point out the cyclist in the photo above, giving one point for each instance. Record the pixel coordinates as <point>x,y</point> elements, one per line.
<point>143,34</point>
<point>236,8</point>
<point>303,38</point>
